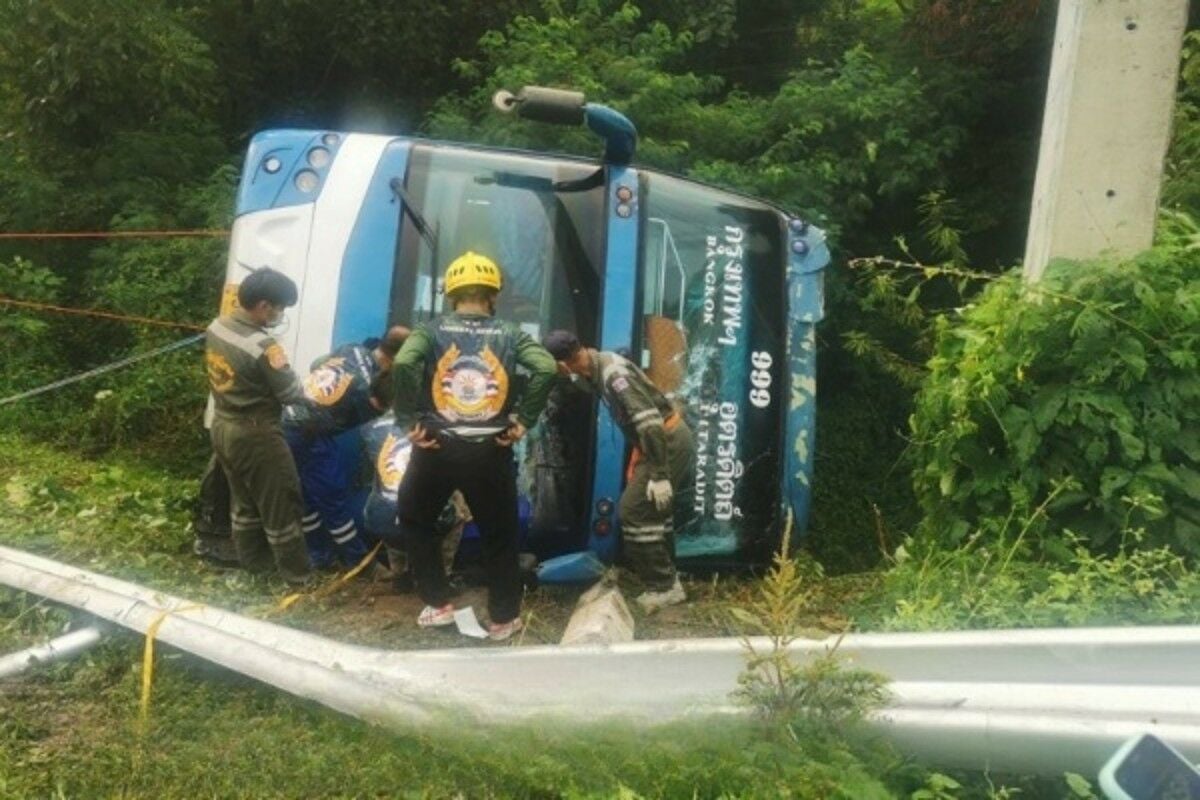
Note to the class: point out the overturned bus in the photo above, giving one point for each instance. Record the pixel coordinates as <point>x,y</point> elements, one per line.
<point>716,294</point>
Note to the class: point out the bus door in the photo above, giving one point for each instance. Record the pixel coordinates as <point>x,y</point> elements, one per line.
<point>541,220</point>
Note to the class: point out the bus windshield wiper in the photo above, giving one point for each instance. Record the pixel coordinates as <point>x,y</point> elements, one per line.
<point>419,222</point>
<point>423,227</point>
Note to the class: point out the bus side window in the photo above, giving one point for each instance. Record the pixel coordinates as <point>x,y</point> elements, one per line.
<point>664,354</point>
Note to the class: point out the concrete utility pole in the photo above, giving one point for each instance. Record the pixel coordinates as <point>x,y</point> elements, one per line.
<point>1105,130</point>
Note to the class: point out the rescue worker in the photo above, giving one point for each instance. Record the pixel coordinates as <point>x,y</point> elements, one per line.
<point>388,451</point>
<point>454,383</point>
<point>339,390</point>
<point>659,468</point>
<point>251,381</point>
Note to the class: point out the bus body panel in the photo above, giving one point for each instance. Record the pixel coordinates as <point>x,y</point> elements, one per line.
<point>806,303</point>
<point>369,256</point>
<point>277,237</point>
<point>616,331</point>
<point>272,162</point>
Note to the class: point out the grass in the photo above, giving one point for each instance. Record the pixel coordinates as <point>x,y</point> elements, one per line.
<point>124,519</point>
<point>70,730</point>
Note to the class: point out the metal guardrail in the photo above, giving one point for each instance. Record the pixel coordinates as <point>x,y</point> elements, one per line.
<point>1036,701</point>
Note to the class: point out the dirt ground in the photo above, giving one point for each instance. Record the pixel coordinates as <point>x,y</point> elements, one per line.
<point>374,614</point>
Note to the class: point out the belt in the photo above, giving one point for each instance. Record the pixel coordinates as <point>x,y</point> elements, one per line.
<point>258,421</point>
<point>472,433</point>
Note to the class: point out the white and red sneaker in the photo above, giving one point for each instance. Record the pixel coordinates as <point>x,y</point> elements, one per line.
<point>499,631</point>
<point>431,617</point>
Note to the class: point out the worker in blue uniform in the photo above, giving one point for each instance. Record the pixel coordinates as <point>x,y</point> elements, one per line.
<point>339,390</point>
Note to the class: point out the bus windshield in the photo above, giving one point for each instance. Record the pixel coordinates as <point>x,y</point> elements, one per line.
<point>542,221</point>
<point>539,219</point>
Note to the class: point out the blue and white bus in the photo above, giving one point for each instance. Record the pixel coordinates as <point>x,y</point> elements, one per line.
<point>717,294</point>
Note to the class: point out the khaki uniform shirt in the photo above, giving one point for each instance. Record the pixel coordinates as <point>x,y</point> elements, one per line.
<point>637,406</point>
<point>248,371</point>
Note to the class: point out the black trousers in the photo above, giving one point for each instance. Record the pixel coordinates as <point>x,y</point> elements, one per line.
<point>486,475</point>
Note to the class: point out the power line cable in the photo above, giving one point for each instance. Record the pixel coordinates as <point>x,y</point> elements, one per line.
<point>101,370</point>
<point>91,312</point>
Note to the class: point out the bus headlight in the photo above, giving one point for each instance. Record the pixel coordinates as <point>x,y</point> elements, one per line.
<point>318,158</point>
<point>330,139</point>
<point>799,247</point>
<point>271,164</point>
<point>307,180</point>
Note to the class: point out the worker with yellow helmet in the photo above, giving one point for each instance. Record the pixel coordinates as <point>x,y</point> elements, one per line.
<point>454,393</point>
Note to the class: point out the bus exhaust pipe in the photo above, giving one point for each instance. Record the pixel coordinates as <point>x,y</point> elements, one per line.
<point>564,107</point>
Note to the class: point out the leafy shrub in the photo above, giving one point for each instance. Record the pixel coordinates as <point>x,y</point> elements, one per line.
<point>821,694</point>
<point>1073,403</point>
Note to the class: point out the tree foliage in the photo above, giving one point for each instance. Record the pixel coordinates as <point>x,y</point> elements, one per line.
<point>833,140</point>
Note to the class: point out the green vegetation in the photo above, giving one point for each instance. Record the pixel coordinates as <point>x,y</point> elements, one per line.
<point>71,729</point>
<point>987,585</point>
<point>1009,456</point>
<point>1074,403</point>
<point>135,117</point>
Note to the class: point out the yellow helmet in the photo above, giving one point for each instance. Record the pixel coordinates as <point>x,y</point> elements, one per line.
<point>472,269</point>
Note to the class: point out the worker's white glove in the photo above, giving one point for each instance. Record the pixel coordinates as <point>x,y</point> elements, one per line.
<point>660,493</point>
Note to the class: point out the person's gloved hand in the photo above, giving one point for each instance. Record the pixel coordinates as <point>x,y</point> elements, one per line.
<point>513,434</point>
<point>660,493</point>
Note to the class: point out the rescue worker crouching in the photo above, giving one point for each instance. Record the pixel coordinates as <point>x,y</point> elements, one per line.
<point>339,391</point>
<point>661,464</point>
<point>388,450</point>
<point>454,394</point>
<point>251,381</point>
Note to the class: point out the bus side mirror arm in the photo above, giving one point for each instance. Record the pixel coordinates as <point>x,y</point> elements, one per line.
<point>616,129</point>
<point>562,107</point>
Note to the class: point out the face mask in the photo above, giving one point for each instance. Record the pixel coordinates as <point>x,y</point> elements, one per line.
<point>277,320</point>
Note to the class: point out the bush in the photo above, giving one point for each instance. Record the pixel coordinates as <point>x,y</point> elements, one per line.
<point>1073,405</point>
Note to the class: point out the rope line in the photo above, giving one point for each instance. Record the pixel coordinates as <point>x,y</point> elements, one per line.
<point>92,312</point>
<point>195,232</point>
<point>91,373</point>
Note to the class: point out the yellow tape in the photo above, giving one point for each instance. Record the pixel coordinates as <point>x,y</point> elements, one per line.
<point>329,588</point>
<point>284,605</point>
<point>148,658</point>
